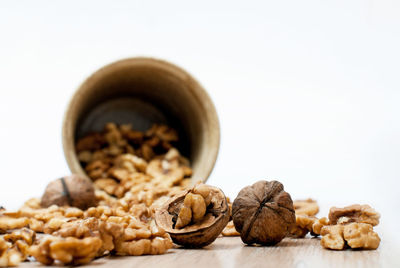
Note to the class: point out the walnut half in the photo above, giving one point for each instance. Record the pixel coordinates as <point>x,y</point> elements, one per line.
<point>354,213</point>
<point>194,218</point>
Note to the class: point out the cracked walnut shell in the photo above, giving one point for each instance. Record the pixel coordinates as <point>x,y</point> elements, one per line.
<point>263,213</point>
<point>196,217</point>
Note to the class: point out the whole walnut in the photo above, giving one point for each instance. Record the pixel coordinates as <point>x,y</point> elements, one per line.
<point>263,213</point>
<point>74,190</point>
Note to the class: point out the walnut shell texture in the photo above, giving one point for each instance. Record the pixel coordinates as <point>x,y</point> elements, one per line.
<point>198,234</point>
<point>263,213</point>
<point>74,190</point>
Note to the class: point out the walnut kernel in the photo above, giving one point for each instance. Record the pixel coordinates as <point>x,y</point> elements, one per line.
<point>354,213</point>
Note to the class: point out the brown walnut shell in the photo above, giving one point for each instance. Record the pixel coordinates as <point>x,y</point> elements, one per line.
<point>263,213</point>
<point>202,233</point>
<point>74,190</point>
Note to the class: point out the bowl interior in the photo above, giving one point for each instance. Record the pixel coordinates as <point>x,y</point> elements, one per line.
<point>144,92</point>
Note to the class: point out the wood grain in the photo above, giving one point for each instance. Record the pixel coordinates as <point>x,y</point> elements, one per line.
<point>231,252</point>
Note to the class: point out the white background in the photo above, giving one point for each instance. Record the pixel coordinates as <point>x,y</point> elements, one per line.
<point>307,92</point>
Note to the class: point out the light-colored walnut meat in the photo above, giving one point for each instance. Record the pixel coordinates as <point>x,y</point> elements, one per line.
<point>230,230</point>
<point>128,161</point>
<point>304,225</point>
<point>318,224</point>
<point>354,213</point>
<point>10,223</point>
<point>192,210</point>
<point>69,251</point>
<point>332,237</point>
<point>307,207</point>
<point>133,174</point>
<point>9,255</point>
<point>139,239</point>
<point>354,235</point>
<point>14,246</point>
<point>108,232</point>
<point>307,224</point>
<point>198,228</point>
<point>169,170</point>
<point>24,234</point>
<point>361,235</point>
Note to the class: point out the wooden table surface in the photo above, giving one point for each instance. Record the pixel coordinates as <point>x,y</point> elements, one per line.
<point>231,252</point>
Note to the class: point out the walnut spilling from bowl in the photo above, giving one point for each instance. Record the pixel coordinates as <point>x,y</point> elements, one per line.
<point>133,173</point>
<point>120,161</point>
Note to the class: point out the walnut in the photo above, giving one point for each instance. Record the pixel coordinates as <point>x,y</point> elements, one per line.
<point>9,255</point>
<point>318,224</point>
<point>361,235</point>
<point>104,199</point>
<point>169,170</point>
<point>303,226</point>
<point>307,224</point>
<point>54,224</point>
<point>14,247</point>
<point>33,203</point>
<point>164,172</point>
<point>131,135</point>
<point>10,223</point>
<point>141,212</point>
<point>230,230</point>
<point>263,213</point>
<point>36,225</point>
<point>298,232</point>
<point>131,163</point>
<point>202,230</point>
<point>74,190</point>
<point>355,235</point>
<point>70,250</point>
<point>106,184</point>
<point>108,232</point>
<point>192,210</point>
<point>24,234</point>
<point>21,240</point>
<point>332,237</point>
<point>163,132</point>
<point>139,239</point>
<point>307,207</point>
<point>90,142</point>
<point>97,168</point>
<point>354,213</point>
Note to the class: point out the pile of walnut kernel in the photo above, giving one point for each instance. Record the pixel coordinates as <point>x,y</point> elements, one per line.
<point>348,227</point>
<point>134,173</point>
